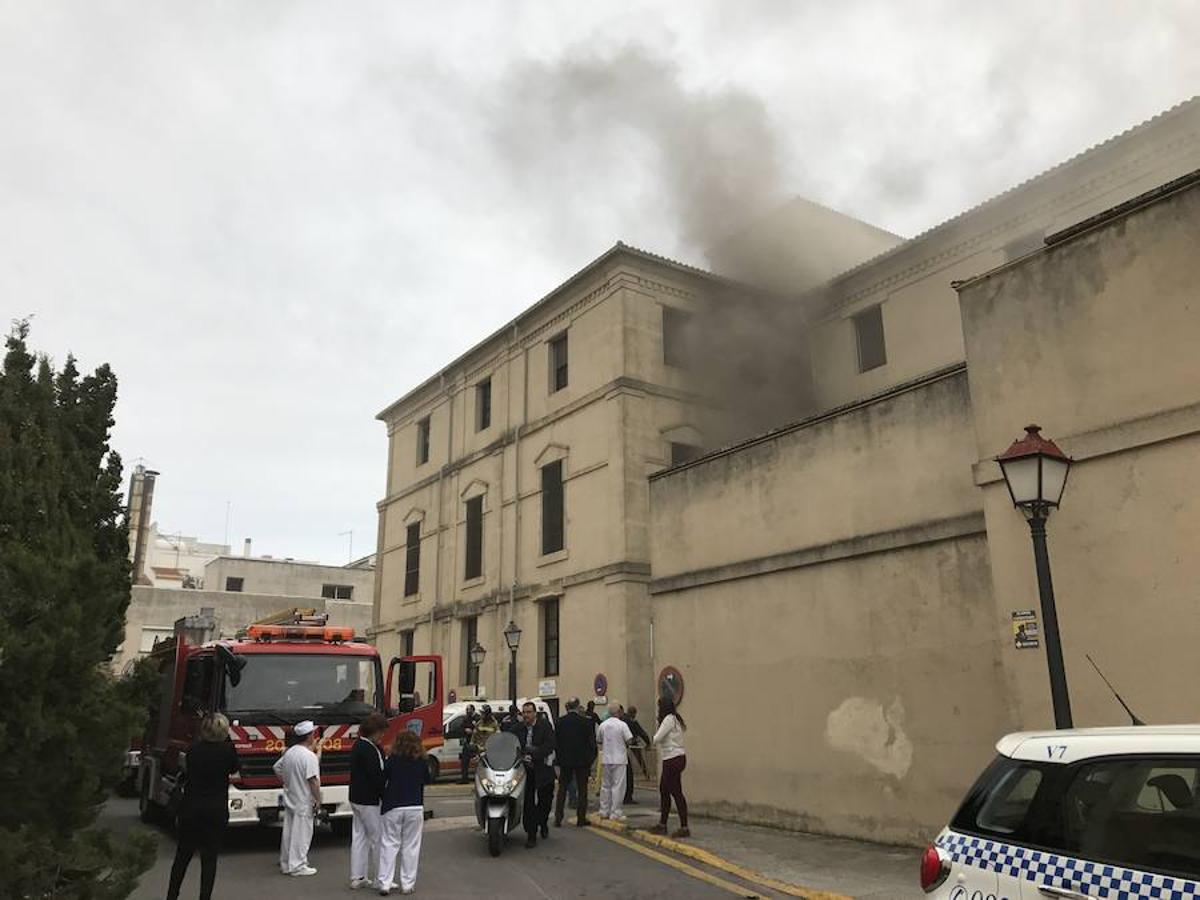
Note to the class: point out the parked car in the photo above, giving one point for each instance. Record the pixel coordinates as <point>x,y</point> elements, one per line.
<point>1104,812</point>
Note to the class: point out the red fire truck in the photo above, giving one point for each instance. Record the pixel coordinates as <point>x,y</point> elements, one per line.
<point>267,680</point>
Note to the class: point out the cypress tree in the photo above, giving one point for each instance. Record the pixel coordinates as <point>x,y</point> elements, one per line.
<point>64,588</point>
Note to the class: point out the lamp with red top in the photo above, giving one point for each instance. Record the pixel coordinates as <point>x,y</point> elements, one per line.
<point>1035,470</point>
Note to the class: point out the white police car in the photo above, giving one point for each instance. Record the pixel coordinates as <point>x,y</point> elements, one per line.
<point>1104,812</point>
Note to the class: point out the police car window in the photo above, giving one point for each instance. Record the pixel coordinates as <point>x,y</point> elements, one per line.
<point>1008,804</point>
<point>1141,813</point>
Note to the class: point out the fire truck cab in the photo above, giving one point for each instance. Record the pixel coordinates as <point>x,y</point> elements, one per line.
<point>270,678</point>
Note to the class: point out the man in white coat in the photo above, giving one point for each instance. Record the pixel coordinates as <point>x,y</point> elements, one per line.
<point>300,771</point>
<point>614,738</point>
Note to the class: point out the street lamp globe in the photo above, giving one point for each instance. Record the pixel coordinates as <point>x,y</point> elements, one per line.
<point>512,636</point>
<point>477,654</point>
<point>1035,470</point>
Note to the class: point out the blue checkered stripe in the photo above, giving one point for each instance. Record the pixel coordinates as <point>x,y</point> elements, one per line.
<point>1091,878</point>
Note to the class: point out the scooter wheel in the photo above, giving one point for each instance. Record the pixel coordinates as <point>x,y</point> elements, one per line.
<point>495,829</point>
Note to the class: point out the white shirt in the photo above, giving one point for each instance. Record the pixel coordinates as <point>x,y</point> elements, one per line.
<point>614,736</point>
<point>294,769</point>
<point>669,738</point>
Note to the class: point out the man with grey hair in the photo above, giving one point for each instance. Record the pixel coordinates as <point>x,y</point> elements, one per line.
<point>575,749</point>
<point>615,737</point>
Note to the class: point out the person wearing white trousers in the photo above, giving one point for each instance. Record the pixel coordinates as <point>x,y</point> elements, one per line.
<point>612,791</point>
<point>366,792</point>
<point>295,841</point>
<point>400,835</point>
<point>614,738</point>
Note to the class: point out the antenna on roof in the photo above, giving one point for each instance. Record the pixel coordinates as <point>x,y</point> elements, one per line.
<point>1134,719</point>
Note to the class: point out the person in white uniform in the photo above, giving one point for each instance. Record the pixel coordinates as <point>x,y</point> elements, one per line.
<point>300,771</point>
<point>614,737</point>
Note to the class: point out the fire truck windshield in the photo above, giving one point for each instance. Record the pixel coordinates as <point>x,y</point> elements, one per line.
<point>323,686</point>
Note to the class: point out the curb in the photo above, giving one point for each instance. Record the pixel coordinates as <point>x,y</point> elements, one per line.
<point>716,862</point>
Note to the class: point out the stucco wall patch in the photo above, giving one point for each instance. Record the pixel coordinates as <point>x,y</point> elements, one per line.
<point>863,727</point>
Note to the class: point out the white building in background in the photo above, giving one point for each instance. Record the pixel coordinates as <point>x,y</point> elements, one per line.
<point>177,560</point>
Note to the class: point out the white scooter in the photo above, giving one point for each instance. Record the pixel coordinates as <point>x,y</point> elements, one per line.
<point>499,789</point>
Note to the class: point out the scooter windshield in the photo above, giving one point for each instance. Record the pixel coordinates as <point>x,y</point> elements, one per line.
<point>502,750</point>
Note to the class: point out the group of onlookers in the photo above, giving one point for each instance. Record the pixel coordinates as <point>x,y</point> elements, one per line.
<point>387,787</point>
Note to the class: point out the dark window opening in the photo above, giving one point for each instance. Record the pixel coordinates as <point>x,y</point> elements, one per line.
<point>474,566</point>
<point>483,404</point>
<point>470,638</point>
<point>337,591</point>
<point>552,507</point>
<point>550,637</point>
<point>406,642</point>
<point>412,559</point>
<point>675,324</point>
<point>423,441</point>
<point>234,584</point>
<point>682,453</point>
<point>868,331</point>
<point>558,363</point>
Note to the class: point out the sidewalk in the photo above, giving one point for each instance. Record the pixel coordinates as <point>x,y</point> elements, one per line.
<point>834,866</point>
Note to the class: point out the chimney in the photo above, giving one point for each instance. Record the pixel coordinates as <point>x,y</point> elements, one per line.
<point>141,499</point>
<point>246,548</point>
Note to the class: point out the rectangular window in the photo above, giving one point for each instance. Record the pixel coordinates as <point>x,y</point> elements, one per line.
<point>675,337</point>
<point>412,559</point>
<point>234,584</point>
<point>406,642</point>
<point>558,363</point>
<point>474,566</point>
<point>682,453</point>
<point>423,441</point>
<point>337,591</point>
<point>868,331</point>
<point>470,630</point>
<point>483,405</point>
<point>552,507</point>
<point>550,637</point>
<point>1138,813</point>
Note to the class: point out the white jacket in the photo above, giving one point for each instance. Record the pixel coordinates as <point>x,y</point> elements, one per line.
<point>669,738</point>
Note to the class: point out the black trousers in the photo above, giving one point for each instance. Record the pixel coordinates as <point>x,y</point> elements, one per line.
<point>567,774</point>
<point>538,800</point>
<point>197,831</point>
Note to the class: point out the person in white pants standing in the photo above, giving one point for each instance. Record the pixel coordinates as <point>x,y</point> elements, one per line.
<point>614,738</point>
<point>300,771</point>
<point>366,792</point>
<point>406,773</point>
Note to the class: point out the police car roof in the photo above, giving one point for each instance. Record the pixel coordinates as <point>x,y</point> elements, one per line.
<point>1084,743</point>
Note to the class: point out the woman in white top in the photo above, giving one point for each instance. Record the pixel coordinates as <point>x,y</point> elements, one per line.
<point>669,741</point>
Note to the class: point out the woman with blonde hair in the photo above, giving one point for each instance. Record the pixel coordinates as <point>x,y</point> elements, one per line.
<point>403,807</point>
<point>204,812</point>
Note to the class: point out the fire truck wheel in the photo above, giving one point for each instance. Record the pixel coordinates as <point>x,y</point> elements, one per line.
<point>340,827</point>
<point>434,768</point>
<point>148,811</point>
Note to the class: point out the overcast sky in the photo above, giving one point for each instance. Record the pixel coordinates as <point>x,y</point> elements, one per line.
<point>274,218</point>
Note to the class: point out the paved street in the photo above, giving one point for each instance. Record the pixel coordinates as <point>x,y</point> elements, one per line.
<point>454,863</point>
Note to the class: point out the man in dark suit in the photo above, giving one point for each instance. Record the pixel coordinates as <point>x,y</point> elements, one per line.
<point>537,742</point>
<point>575,742</point>
<point>629,717</point>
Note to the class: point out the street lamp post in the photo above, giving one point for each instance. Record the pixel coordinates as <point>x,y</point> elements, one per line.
<point>1035,471</point>
<point>477,655</point>
<point>512,637</point>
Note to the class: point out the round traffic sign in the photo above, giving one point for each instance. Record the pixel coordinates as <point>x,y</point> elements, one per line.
<point>670,684</point>
<point>600,685</point>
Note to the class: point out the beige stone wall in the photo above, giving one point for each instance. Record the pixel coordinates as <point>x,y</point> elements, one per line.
<point>287,579</point>
<point>154,611</point>
<point>912,283</point>
<point>1096,339</point>
<point>826,594</point>
<point>610,427</point>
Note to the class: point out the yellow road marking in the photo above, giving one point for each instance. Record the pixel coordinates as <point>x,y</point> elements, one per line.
<point>676,864</point>
<point>717,862</point>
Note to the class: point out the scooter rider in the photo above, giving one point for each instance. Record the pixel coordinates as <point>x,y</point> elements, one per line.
<point>537,742</point>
